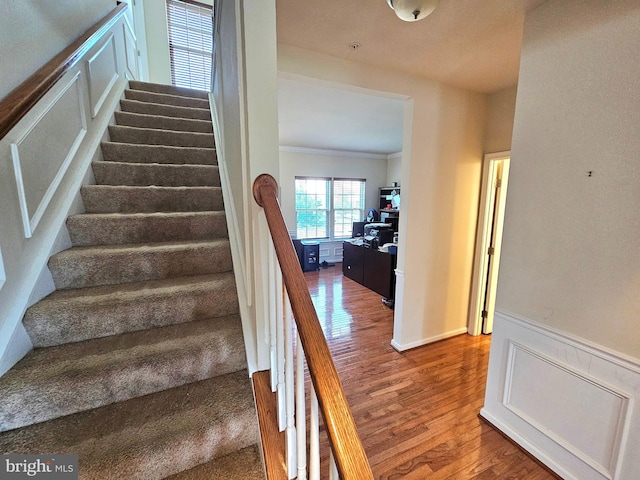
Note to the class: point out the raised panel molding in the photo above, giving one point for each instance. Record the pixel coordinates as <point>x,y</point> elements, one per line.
<point>569,403</point>
<point>42,154</point>
<point>131,51</point>
<point>102,73</point>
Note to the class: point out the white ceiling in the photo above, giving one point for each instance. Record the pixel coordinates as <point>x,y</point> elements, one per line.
<point>471,44</point>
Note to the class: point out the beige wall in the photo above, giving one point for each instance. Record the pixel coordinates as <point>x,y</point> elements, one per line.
<point>394,168</point>
<point>442,155</point>
<point>570,256</point>
<point>32,32</point>
<point>329,164</point>
<point>501,109</point>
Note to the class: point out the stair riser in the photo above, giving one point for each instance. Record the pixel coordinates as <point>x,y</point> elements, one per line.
<point>145,108</point>
<point>112,199</point>
<point>66,322</point>
<point>79,271</point>
<point>117,173</point>
<point>87,230</point>
<point>168,89</point>
<point>87,389</point>
<point>166,99</point>
<point>133,153</point>
<point>162,123</point>
<point>146,136</point>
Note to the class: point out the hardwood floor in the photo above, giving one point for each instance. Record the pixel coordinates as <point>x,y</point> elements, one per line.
<point>416,411</point>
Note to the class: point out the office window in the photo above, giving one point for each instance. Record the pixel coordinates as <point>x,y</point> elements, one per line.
<point>327,207</point>
<point>190,43</point>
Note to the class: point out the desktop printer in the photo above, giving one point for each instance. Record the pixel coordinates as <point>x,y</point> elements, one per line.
<point>377,234</point>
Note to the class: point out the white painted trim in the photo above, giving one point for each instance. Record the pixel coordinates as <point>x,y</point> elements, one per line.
<point>249,326</point>
<point>30,223</point>
<point>3,275</point>
<point>337,153</point>
<point>477,290</point>
<point>596,377</point>
<point>129,35</point>
<point>97,104</point>
<point>425,341</point>
<point>395,156</point>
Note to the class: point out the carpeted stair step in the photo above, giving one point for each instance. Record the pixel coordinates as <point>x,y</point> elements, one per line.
<point>121,228</point>
<point>68,316</point>
<point>146,108</point>
<point>149,136</point>
<point>131,199</point>
<point>164,99</point>
<point>57,381</point>
<point>245,464</point>
<point>168,89</point>
<point>81,267</point>
<point>163,123</point>
<point>136,153</point>
<point>150,437</point>
<point>146,174</point>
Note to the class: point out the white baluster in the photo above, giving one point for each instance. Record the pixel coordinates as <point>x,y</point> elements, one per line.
<point>280,315</point>
<point>292,460</point>
<point>301,412</point>
<point>273,320</point>
<point>314,438</point>
<point>333,470</point>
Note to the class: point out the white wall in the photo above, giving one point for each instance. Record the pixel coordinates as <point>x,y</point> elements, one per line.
<point>328,163</point>
<point>442,156</point>
<point>394,168</point>
<point>246,122</point>
<point>157,39</point>
<point>43,162</point>
<point>501,109</point>
<point>32,32</point>
<point>567,309</point>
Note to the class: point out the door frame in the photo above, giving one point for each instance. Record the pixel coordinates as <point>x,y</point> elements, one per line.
<point>483,237</point>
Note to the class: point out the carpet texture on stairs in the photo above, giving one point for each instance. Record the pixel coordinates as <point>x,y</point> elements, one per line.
<point>139,364</point>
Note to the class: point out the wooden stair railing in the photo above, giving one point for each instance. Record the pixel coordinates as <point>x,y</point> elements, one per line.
<point>18,103</point>
<point>345,443</point>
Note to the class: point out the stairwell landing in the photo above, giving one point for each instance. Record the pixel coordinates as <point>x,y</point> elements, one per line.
<point>139,364</point>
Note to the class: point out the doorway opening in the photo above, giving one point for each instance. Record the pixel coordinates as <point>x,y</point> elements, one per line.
<point>493,196</point>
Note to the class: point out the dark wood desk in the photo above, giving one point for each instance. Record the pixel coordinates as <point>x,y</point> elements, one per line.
<point>370,267</point>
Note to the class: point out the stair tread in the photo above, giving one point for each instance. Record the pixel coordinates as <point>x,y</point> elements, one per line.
<point>133,290</point>
<point>160,88</point>
<point>245,464</point>
<point>65,379</point>
<point>176,111</point>
<point>163,122</point>
<point>137,247</point>
<point>150,436</point>
<point>148,214</point>
<point>166,99</point>
<point>162,154</point>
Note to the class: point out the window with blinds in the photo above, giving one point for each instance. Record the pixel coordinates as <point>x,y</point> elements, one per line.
<point>190,43</point>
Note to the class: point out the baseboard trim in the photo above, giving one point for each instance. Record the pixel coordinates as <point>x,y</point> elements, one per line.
<point>425,341</point>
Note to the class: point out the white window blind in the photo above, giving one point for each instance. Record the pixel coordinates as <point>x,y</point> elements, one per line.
<point>190,43</point>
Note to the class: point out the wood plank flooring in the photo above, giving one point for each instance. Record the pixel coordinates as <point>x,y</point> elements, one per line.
<point>416,411</point>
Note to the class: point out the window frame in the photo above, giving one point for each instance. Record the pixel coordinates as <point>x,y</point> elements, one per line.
<point>195,71</point>
<point>331,210</point>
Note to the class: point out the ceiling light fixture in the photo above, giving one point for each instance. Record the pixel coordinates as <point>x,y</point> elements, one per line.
<point>412,10</point>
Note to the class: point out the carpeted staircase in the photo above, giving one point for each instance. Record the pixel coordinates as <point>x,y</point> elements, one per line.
<point>139,365</point>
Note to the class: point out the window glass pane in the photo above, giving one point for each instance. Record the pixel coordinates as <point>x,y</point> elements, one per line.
<point>348,201</point>
<point>312,207</point>
<point>190,44</point>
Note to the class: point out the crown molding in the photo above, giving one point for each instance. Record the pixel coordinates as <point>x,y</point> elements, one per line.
<point>341,153</point>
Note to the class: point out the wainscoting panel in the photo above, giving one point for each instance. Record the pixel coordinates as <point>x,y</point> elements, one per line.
<point>42,154</point>
<point>131,51</point>
<point>102,72</point>
<point>571,404</point>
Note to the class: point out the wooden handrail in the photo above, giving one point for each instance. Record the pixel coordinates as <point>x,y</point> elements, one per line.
<point>348,452</point>
<point>18,103</point>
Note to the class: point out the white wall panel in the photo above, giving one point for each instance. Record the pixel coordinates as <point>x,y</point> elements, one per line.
<point>131,51</point>
<point>42,154</point>
<point>102,73</point>
<point>570,403</point>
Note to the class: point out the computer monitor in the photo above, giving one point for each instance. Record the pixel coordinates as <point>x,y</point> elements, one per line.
<point>358,229</point>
